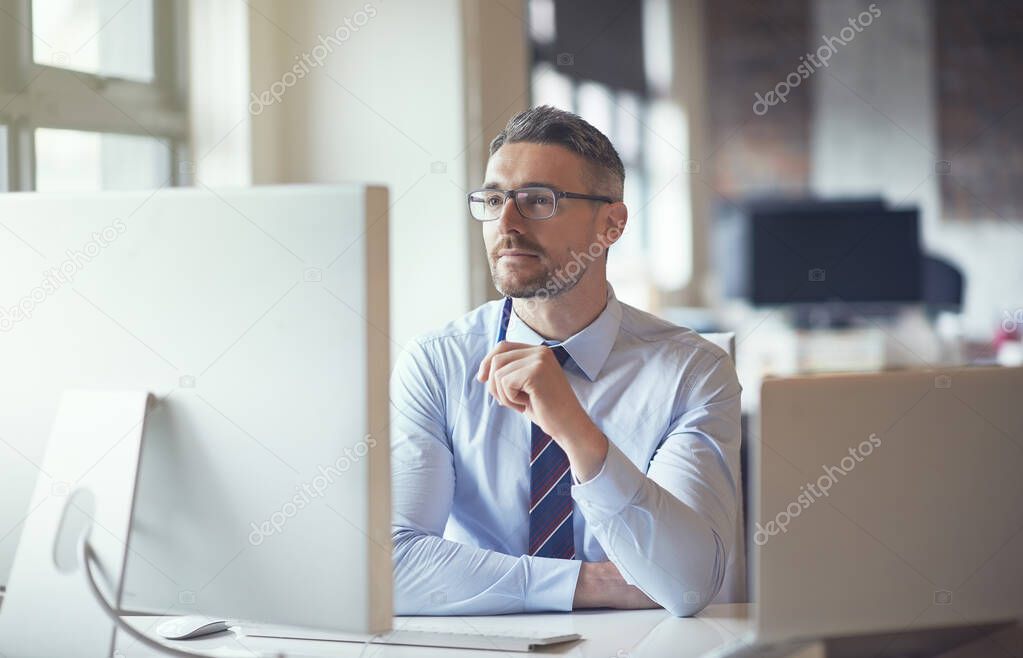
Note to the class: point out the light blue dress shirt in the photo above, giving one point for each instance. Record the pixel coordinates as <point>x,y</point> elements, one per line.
<point>662,508</point>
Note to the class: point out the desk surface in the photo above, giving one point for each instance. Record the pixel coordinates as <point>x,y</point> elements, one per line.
<point>605,633</point>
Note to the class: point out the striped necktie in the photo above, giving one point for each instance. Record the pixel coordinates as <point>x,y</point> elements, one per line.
<point>550,487</point>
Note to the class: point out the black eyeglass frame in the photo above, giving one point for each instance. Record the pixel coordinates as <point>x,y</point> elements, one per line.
<point>512,194</point>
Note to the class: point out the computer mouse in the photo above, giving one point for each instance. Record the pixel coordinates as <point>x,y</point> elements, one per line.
<point>191,626</point>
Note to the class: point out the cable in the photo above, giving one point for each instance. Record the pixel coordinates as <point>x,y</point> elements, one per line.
<point>87,556</point>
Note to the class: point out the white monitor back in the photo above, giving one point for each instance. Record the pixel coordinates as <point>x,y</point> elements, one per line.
<point>922,526</point>
<point>259,317</point>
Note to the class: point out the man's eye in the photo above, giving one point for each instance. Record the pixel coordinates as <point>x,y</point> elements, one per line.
<point>494,200</point>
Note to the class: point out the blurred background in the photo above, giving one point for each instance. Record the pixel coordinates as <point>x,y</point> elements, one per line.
<point>836,181</point>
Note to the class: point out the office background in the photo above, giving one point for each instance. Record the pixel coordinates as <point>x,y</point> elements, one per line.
<point>920,107</point>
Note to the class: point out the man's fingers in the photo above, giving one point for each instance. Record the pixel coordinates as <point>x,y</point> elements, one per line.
<point>496,362</point>
<point>491,383</point>
<point>504,347</point>
<point>500,348</point>
<point>493,365</point>
<point>508,382</point>
<point>500,368</point>
<point>504,371</point>
<point>484,369</point>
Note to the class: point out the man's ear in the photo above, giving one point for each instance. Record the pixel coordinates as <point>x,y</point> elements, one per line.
<point>615,219</point>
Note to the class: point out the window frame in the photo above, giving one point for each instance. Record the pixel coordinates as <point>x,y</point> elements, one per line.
<point>36,95</point>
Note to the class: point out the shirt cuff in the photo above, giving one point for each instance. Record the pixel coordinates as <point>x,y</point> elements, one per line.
<point>550,583</point>
<point>608,492</point>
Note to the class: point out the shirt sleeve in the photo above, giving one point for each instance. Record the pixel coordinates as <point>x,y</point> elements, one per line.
<point>432,575</point>
<point>669,530</point>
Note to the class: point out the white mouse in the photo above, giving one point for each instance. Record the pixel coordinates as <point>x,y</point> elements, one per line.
<point>191,626</point>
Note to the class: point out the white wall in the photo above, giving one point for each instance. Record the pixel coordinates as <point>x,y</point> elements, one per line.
<point>385,106</point>
<point>875,131</point>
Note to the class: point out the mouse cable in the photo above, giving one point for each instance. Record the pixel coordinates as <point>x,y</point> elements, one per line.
<point>87,557</point>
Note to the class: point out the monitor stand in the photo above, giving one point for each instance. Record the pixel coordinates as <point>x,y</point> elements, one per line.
<point>85,491</point>
<point>839,315</point>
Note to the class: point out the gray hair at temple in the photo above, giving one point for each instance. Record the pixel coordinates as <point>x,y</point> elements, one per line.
<point>549,125</point>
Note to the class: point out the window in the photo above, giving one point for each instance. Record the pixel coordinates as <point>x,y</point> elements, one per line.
<point>76,160</point>
<point>111,38</point>
<point>92,94</point>
<point>627,98</point>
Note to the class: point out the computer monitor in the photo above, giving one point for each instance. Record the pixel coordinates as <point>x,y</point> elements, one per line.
<point>887,508</point>
<point>834,255</point>
<point>259,318</point>
<point>731,237</point>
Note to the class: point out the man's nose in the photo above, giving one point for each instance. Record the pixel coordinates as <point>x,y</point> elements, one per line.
<point>510,220</point>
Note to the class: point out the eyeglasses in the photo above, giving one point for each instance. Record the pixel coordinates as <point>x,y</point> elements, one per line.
<point>531,202</point>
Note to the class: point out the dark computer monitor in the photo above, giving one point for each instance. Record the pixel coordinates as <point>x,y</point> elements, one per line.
<point>835,254</point>
<point>731,237</point>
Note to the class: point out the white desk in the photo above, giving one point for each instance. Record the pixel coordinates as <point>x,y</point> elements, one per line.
<point>606,634</point>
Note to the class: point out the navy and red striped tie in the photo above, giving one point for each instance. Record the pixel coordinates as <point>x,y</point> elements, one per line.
<point>550,504</point>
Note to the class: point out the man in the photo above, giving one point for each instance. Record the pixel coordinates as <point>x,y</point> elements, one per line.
<point>559,449</point>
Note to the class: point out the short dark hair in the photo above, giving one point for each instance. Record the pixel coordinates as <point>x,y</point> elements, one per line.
<point>549,125</point>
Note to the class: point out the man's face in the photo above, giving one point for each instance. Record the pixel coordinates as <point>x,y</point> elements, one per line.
<point>529,255</point>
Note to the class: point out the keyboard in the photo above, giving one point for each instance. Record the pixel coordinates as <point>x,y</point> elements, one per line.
<point>425,632</point>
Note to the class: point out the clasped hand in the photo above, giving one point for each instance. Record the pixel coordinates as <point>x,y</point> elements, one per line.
<point>529,379</point>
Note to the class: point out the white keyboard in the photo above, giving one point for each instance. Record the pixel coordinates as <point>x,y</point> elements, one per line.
<point>425,633</point>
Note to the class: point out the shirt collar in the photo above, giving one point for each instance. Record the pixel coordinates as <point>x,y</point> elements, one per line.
<point>590,347</point>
